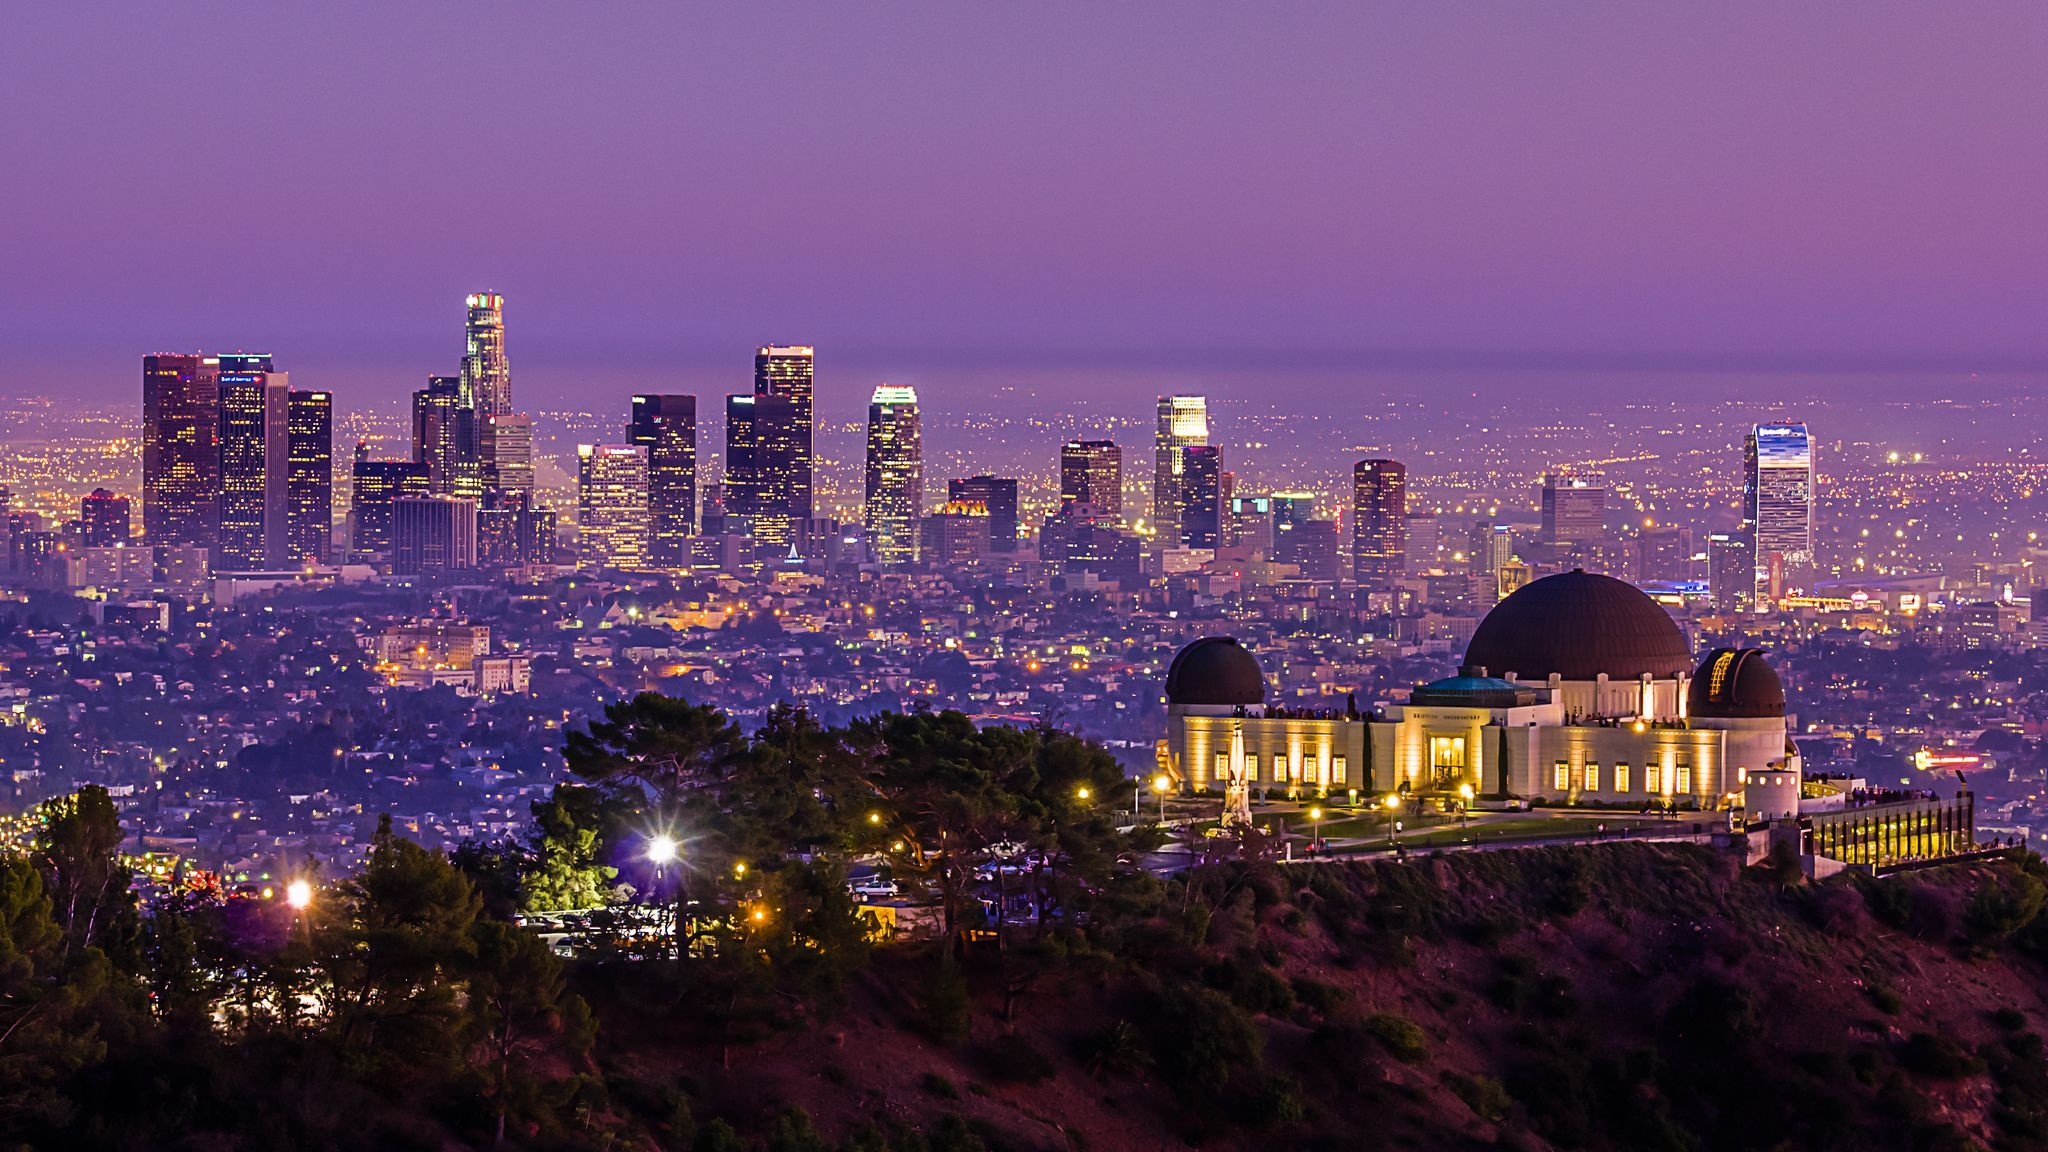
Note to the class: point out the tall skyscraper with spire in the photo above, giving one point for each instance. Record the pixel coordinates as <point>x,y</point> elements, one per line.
<point>895,475</point>
<point>486,374</point>
<point>1183,423</point>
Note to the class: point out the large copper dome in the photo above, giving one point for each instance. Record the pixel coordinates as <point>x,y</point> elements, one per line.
<point>1578,625</point>
<point>1215,671</point>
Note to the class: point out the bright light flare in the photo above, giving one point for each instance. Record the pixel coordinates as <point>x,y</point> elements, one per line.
<point>298,894</point>
<point>663,849</point>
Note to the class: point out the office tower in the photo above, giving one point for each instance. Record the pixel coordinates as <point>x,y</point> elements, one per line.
<point>1777,506</point>
<point>786,370</point>
<point>714,518</point>
<point>760,466</point>
<point>1731,573</point>
<point>1072,543</point>
<point>1183,423</point>
<point>378,485</point>
<point>1292,507</point>
<point>999,496</point>
<point>180,449</point>
<point>445,437</point>
<point>506,449</point>
<point>105,518</point>
<point>255,448</point>
<point>1199,475</point>
<point>611,506</point>
<point>512,533</point>
<point>309,477</point>
<point>1379,522</point>
<point>666,426</point>
<point>895,474</point>
<point>1574,508</point>
<point>1310,546</point>
<point>1251,523</point>
<point>958,534</point>
<point>486,374</point>
<point>1492,550</point>
<point>432,535</point>
<point>1422,550</point>
<point>1664,554</point>
<point>1092,472</point>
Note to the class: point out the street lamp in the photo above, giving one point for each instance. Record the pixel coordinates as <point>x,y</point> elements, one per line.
<point>1393,804</point>
<point>1464,805</point>
<point>298,894</point>
<point>662,850</point>
<point>1082,792</point>
<point>1315,823</point>
<point>1160,784</point>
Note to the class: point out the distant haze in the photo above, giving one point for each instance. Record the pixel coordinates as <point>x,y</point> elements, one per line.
<point>1077,189</point>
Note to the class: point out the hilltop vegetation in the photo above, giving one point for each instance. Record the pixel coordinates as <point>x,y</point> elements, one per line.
<point>1629,996</point>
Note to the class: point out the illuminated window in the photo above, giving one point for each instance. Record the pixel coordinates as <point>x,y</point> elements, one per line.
<point>1621,777</point>
<point>1653,778</point>
<point>1684,777</point>
<point>1592,778</point>
<point>1222,767</point>
<point>1562,776</point>
<point>1447,760</point>
<point>1337,770</point>
<point>1279,767</point>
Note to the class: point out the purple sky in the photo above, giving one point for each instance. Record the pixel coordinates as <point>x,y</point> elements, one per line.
<point>1801,182</point>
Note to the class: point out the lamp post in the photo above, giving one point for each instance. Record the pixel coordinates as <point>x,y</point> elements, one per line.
<point>662,851</point>
<point>1315,824</point>
<point>1393,804</point>
<point>1160,784</point>
<point>1464,805</point>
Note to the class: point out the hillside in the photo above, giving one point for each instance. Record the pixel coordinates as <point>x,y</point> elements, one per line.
<point>1632,996</point>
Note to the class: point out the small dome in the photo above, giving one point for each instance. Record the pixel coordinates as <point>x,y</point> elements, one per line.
<point>1735,684</point>
<point>1215,671</point>
<point>1472,692</point>
<point>1578,625</point>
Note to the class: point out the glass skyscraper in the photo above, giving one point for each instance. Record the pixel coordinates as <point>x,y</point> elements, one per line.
<point>611,506</point>
<point>789,468</point>
<point>309,477</point>
<point>895,475</point>
<point>378,484</point>
<point>1777,506</point>
<point>486,374</point>
<point>1183,423</point>
<point>1092,473</point>
<point>445,437</point>
<point>996,494</point>
<point>666,426</point>
<point>180,449</point>
<point>254,463</point>
<point>1198,473</point>
<point>1379,522</point>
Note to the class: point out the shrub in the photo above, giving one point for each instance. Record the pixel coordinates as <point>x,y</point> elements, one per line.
<point>1938,1056</point>
<point>1483,1095</point>
<point>1883,999</point>
<point>1401,1037</point>
<point>1012,1058</point>
<point>937,1085</point>
<point>2009,1019</point>
<point>1320,998</point>
<point>946,1007</point>
<point>1200,1038</point>
<point>1252,987</point>
<point>1276,1104</point>
<point>1116,1051</point>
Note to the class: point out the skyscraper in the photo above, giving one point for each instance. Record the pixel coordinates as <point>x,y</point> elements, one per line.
<point>1574,508</point>
<point>309,477</point>
<point>255,448</point>
<point>511,532</point>
<point>378,485</point>
<point>1183,423</point>
<point>1777,506</point>
<point>105,519</point>
<point>611,506</point>
<point>486,374</point>
<point>786,370</point>
<point>432,534</point>
<point>1198,474</point>
<point>1092,472</point>
<point>761,442</point>
<point>666,426</point>
<point>180,449</point>
<point>1379,522</point>
<point>1731,573</point>
<point>895,474</point>
<point>445,437</point>
<point>507,452</point>
<point>999,496</point>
